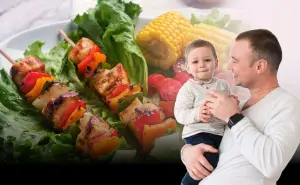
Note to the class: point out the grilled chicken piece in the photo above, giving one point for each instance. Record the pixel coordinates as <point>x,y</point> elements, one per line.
<point>56,108</point>
<point>54,91</point>
<point>104,80</point>
<point>19,69</point>
<point>89,122</point>
<point>129,113</point>
<point>119,72</point>
<point>136,108</point>
<point>93,130</point>
<point>81,50</point>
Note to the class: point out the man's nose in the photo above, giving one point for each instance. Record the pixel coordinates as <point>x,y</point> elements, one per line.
<point>229,65</point>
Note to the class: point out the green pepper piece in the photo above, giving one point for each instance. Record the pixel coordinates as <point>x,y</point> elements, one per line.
<point>128,100</point>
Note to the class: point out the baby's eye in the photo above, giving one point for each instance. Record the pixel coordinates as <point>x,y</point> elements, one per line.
<point>207,60</point>
<point>195,62</point>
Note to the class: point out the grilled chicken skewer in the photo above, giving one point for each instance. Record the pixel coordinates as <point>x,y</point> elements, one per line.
<point>146,120</point>
<point>62,107</point>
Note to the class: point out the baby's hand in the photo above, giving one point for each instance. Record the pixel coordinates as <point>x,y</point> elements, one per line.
<point>204,113</point>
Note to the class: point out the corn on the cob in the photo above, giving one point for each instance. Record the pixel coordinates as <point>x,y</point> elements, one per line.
<point>220,38</point>
<point>161,40</point>
<point>165,38</point>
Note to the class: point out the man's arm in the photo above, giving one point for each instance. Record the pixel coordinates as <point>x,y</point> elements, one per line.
<point>270,151</point>
<point>184,111</point>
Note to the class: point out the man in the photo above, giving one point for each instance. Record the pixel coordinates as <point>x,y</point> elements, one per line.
<point>261,134</point>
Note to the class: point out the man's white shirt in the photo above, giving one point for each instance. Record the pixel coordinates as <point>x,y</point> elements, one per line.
<point>257,149</point>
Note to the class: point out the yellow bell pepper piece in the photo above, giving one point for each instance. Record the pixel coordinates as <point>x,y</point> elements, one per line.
<point>99,57</point>
<point>36,90</point>
<point>104,147</point>
<point>76,115</point>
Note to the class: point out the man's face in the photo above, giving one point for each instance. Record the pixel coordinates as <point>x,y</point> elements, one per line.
<point>243,72</point>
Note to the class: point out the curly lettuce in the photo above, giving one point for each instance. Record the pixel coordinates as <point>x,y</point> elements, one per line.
<point>111,26</point>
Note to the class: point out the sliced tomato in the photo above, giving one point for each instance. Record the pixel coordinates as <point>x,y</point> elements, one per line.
<point>168,89</point>
<point>182,77</point>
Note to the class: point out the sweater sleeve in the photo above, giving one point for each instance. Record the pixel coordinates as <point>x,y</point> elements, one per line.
<point>271,150</point>
<point>184,111</point>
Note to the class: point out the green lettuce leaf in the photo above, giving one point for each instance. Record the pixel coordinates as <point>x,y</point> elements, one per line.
<point>25,137</point>
<point>55,59</point>
<point>111,25</point>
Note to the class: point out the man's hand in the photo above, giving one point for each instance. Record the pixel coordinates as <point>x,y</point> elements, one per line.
<point>195,162</point>
<point>222,106</point>
<point>204,113</point>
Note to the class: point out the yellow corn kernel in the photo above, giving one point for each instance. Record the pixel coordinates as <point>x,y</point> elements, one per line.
<point>221,40</point>
<point>227,34</point>
<point>161,40</point>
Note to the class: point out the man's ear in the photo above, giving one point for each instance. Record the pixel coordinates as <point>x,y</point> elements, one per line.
<point>261,66</point>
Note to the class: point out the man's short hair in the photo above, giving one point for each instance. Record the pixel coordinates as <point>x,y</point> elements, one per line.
<point>265,45</point>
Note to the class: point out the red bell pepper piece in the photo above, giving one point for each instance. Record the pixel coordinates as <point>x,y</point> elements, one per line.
<point>75,105</point>
<point>146,119</point>
<point>84,63</point>
<point>97,49</point>
<point>114,134</point>
<point>30,79</point>
<point>118,89</point>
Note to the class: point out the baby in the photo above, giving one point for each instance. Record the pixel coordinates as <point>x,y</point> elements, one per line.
<point>190,110</point>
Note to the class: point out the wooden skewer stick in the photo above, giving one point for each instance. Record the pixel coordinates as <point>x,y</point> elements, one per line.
<point>12,61</point>
<point>65,36</point>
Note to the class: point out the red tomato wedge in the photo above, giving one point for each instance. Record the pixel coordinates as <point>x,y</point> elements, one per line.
<point>182,77</point>
<point>168,89</point>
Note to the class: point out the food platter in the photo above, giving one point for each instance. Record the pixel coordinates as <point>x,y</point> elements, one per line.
<point>42,40</point>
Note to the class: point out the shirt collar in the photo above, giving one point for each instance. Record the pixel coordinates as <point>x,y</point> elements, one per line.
<point>200,81</point>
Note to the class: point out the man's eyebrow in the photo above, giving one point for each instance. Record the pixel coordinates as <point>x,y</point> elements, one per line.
<point>235,58</point>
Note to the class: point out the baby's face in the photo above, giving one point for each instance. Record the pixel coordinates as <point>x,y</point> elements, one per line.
<point>201,63</point>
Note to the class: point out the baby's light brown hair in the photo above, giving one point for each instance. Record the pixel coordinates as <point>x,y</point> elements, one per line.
<point>197,44</point>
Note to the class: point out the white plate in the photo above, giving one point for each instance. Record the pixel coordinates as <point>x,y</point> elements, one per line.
<point>16,45</point>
